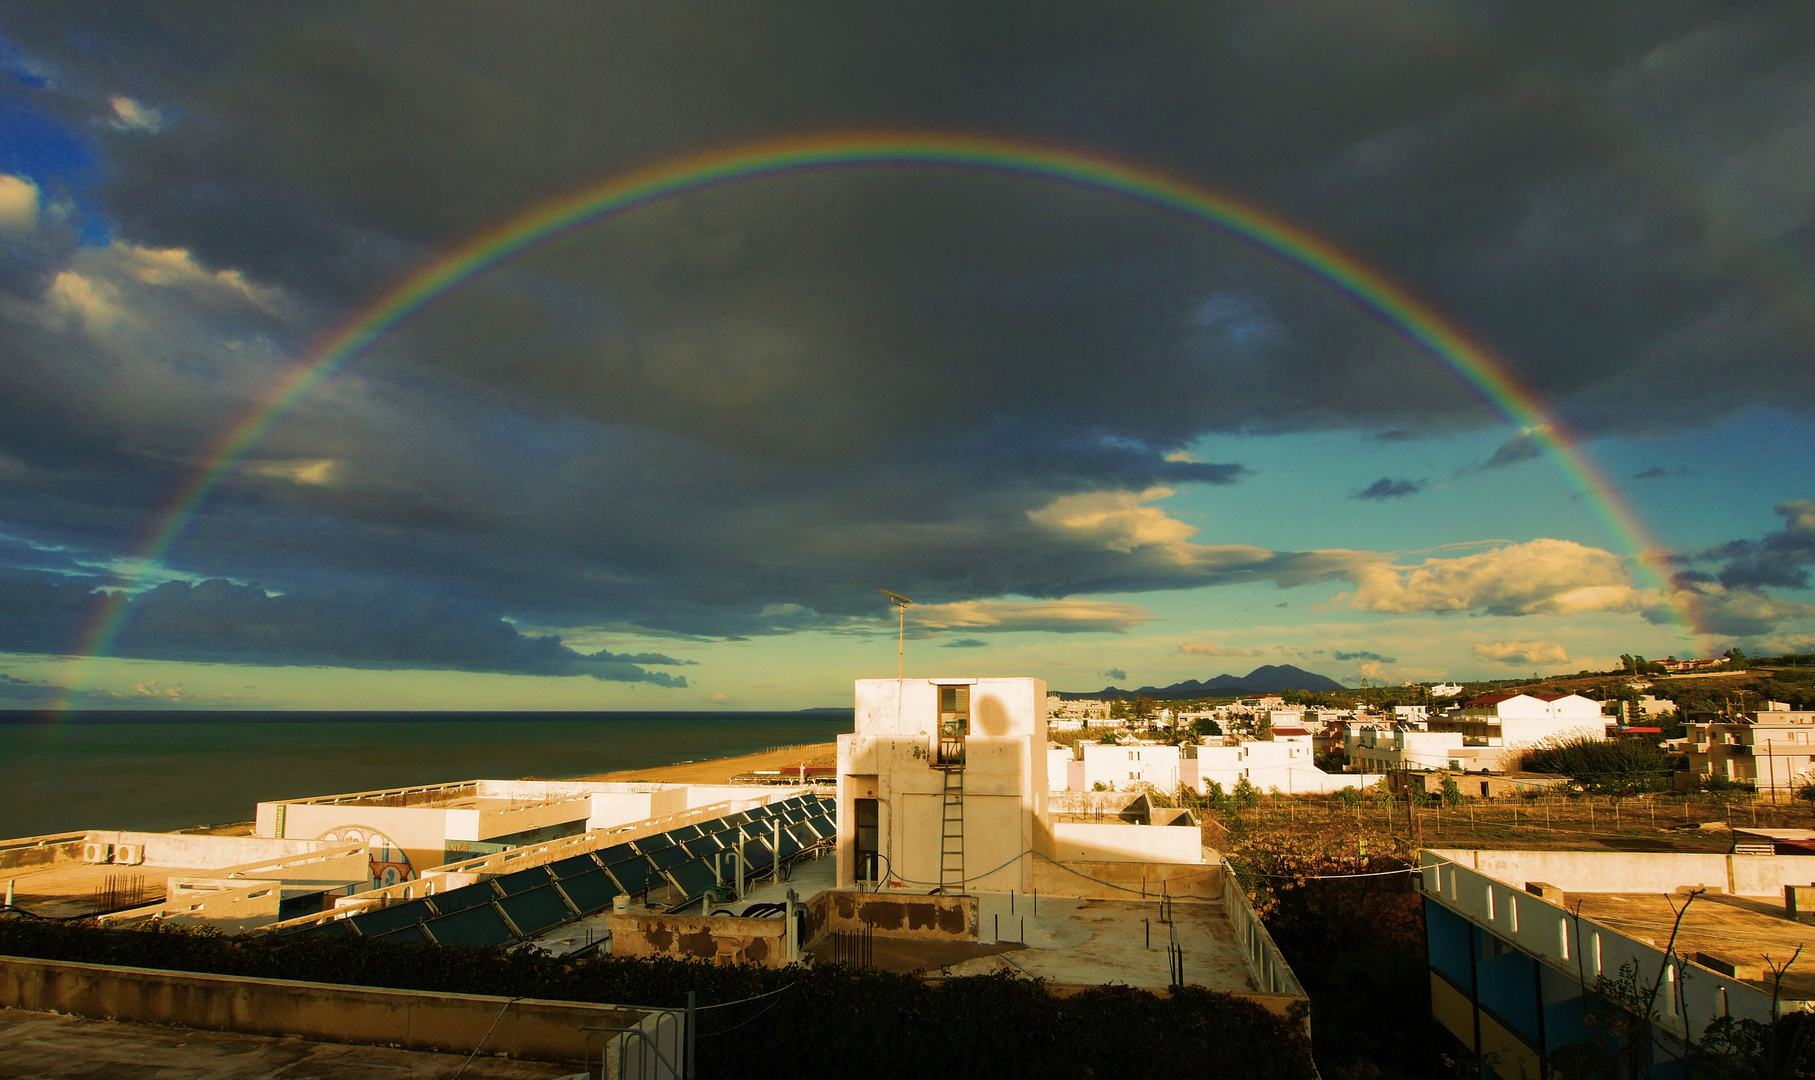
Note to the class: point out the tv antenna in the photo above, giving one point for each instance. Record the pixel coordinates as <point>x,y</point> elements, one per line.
<point>901,605</point>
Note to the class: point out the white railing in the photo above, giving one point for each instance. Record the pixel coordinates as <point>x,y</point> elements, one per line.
<point>1268,965</point>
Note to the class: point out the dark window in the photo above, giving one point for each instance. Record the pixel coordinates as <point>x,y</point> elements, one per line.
<point>869,838</point>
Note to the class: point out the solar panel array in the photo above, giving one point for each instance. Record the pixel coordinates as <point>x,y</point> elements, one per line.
<point>529,902</point>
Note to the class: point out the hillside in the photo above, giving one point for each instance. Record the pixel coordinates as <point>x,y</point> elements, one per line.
<point>1266,679</point>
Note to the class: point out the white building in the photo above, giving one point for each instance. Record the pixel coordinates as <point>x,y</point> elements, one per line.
<point>1771,749</point>
<point>1129,767</point>
<point>1384,750</point>
<point>1505,726</point>
<point>1286,766</point>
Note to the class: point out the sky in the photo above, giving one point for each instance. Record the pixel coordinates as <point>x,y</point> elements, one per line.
<point>666,458</point>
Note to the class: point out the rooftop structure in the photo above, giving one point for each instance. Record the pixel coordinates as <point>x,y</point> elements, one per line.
<point>1519,941</point>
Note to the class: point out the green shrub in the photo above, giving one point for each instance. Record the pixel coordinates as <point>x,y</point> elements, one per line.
<point>1246,796</point>
<point>1605,766</point>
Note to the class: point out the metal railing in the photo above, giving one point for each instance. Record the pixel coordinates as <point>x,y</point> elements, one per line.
<point>642,1050</point>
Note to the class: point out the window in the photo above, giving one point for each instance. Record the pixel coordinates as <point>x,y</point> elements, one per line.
<point>955,711</point>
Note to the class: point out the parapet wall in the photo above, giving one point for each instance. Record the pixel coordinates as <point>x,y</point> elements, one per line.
<point>1088,880</point>
<point>932,918</point>
<point>721,939</point>
<point>413,1019</point>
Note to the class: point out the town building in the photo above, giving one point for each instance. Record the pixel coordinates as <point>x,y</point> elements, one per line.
<point>1771,749</point>
<point>1520,944</point>
<point>1502,727</point>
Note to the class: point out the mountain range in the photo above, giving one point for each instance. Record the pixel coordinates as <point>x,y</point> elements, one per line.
<point>1266,679</point>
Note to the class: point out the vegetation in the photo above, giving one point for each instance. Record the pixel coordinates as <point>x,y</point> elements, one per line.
<point>829,1020</point>
<point>1622,766</point>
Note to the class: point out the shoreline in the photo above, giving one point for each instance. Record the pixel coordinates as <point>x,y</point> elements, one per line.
<point>721,770</point>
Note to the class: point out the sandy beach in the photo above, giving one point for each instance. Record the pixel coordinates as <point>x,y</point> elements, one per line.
<point>719,770</point>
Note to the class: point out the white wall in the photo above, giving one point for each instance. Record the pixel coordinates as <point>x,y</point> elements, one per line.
<point>1077,841</point>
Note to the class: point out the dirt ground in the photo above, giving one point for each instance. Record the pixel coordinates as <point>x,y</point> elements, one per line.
<point>719,770</point>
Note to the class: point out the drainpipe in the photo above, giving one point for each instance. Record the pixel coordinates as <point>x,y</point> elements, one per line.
<point>793,950</point>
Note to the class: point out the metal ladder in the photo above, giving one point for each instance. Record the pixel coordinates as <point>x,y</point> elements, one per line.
<point>951,831</point>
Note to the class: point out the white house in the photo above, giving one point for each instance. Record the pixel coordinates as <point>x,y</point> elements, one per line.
<point>1504,726</point>
<point>1128,766</point>
<point>1266,765</point>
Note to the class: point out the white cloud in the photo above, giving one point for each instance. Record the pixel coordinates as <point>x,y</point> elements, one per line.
<point>314,472</point>
<point>18,202</point>
<point>95,301</point>
<point>1051,616</point>
<point>1542,577</point>
<point>1521,653</point>
<point>1211,648</point>
<point>129,115</point>
<point>1373,671</point>
<point>1115,519</point>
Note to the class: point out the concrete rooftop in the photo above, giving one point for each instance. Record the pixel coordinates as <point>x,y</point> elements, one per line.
<point>1744,930</point>
<point>1072,942</point>
<point>64,889</point>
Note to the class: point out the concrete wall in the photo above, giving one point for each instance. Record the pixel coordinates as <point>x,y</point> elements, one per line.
<point>1077,841</point>
<point>927,918</point>
<point>43,851</point>
<point>721,939</point>
<point>889,758</point>
<point>184,850</point>
<point>1641,872</point>
<point>416,1020</point>
<point>1130,881</point>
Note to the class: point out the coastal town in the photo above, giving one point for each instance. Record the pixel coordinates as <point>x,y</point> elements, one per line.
<point>983,826</point>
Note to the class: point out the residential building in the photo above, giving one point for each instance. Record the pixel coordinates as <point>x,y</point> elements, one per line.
<point>1505,726</point>
<point>1770,749</point>
<point>1130,766</point>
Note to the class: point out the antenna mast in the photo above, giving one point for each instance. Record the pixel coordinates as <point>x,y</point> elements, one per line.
<point>901,605</point>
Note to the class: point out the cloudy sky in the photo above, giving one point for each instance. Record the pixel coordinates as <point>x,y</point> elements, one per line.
<point>666,460</point>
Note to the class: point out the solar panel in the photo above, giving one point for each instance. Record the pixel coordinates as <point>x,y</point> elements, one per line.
<point>474,926</point>
<point>663,858</point>
<point>576,865</point>
<point>412,932</point>
<point>384,920</point>
<point>537,910</point>
<point>464,897</point>
<point>757,854</point>
<point>632,874</point>
<point>793,813</point>
<point>732,820</point>
<point>821,827</point>
<point>653,843</point>
<point>789,843</point>
<point>693,878</point>
<point>686,833</point>
<point>590,892</point>
<point>703,847</point>
<point>614,853</point>
<point>523,880</point>
<point>761,813</point>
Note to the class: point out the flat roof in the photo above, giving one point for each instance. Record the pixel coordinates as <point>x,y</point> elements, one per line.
<point>1747,932</point>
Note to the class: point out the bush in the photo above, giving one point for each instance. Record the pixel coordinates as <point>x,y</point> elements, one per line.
<point>1605,766</point>
<point>1349,798</point>
<point>1246,796</point>
<point>1452,795</point>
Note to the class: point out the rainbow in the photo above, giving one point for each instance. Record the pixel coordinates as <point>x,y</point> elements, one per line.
<point>1365,286</point>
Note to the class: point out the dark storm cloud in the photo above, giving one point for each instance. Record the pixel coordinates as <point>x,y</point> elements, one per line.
<point>1388,488</point>
<point>1374,656</point>
<point>965,643</point>
<point>1778,560</point>
<point>1113,673</point>
<point>739,413</point>
<point>218,621</point>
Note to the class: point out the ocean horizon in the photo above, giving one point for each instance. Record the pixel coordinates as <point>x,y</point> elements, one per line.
<point>165,769</point>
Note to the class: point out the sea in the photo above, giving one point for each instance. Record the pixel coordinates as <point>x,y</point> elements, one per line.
<point>172,770</point>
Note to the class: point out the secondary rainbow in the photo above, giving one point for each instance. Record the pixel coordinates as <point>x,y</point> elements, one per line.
<point>1367,287</point>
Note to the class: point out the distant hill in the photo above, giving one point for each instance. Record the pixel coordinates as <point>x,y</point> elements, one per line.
<point>1266,679</point>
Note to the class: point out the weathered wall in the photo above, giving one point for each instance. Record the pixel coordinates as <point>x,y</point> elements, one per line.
<point>1130,881</point>
<point>941,918</point>
<point>53,849</point>
<point>722,939</point>
<point>414,1019</point>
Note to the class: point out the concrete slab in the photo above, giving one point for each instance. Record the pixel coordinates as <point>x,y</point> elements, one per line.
<point>65,889</point>
<point>50,1046</point>
<point>1072,942</point>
